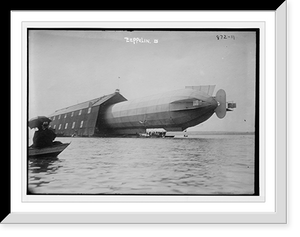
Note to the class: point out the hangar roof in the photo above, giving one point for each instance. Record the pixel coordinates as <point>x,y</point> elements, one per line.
<point>116,98</point>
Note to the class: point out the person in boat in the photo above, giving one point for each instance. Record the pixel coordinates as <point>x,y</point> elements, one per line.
<point>44,137</point>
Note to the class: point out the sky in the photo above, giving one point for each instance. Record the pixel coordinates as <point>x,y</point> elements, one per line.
<point>67,67</point>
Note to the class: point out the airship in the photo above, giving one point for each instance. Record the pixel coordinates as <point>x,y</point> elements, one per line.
<point>114,115</point>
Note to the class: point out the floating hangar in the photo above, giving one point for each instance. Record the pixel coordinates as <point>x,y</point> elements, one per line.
<point>113,115</point>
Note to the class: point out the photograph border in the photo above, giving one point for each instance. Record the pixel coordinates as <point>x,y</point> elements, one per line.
<point>270,208</point>
<point>257,27</point>
<point>256,31</point>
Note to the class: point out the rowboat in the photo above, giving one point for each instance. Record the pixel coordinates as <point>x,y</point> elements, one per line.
<point>52,151</point>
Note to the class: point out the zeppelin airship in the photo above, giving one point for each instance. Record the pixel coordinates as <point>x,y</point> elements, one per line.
<point>114,115</point>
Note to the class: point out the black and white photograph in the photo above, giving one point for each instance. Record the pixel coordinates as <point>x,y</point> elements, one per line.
<point>150,111</point>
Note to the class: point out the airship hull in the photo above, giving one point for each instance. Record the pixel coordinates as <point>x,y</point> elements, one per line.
<point>174,111</point>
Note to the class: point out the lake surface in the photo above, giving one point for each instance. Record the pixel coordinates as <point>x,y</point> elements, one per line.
<point>199,164</point>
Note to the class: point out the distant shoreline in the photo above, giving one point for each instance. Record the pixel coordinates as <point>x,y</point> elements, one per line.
<point>217,133</point>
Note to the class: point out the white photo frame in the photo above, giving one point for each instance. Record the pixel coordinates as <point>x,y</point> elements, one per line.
<point>268,207</point>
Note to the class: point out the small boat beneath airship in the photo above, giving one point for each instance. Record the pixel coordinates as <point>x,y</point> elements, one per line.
<point>114,115</point>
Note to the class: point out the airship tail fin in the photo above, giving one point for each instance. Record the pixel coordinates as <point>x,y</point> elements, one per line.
<point>221,98</point>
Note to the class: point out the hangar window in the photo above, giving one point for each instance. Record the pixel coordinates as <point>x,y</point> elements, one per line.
<point>80,111</point>
<point>89,110</point>
<point>72,114</point>
<point>66,126</point>
<point>65,115</point>
<point>58,116</point>
<point>53,118</point>
<point>73,125</point>
<point>59,127</point>
<point>81,124</point>
<point>54,126</point>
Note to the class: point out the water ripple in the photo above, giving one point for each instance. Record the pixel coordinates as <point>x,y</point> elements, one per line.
<point>203,165</point>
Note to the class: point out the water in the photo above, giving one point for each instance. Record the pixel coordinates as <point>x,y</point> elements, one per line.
<point>199,164</point>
